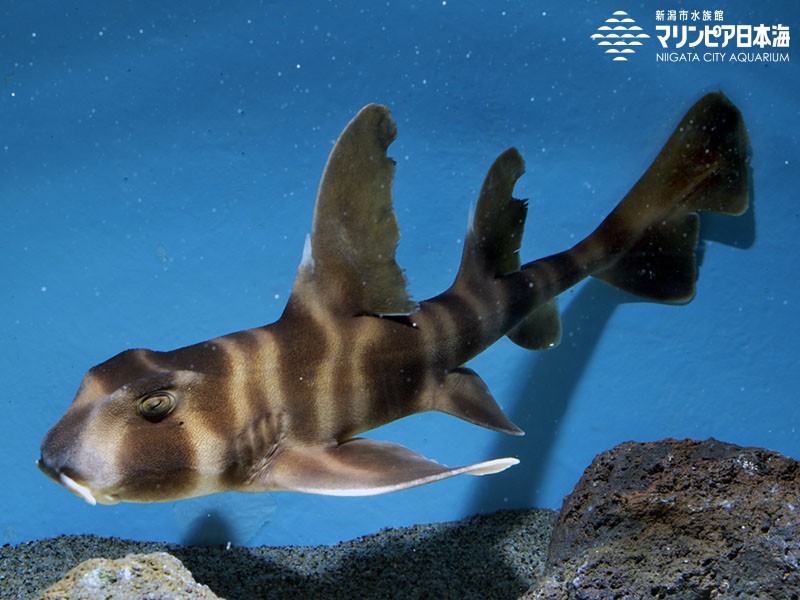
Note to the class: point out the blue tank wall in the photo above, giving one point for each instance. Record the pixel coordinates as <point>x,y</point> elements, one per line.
<point>159,166</point>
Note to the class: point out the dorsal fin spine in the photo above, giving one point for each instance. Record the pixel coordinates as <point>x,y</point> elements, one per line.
<point>307,262</point>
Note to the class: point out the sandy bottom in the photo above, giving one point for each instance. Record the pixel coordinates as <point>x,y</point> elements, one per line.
<point>487,556</point>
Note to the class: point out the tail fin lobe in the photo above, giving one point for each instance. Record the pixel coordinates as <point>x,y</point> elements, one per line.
<point>654,231</point>
<point>712,145</point>
<point>662,265</point>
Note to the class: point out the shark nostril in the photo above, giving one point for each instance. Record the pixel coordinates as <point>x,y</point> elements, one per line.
<point>47,469</point>
<point>64,476</point>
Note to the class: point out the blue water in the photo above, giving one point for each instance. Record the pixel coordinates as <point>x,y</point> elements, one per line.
<point>159,168</point>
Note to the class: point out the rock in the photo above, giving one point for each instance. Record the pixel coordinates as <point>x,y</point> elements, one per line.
<point>157,576</point>
<point>679,520</point>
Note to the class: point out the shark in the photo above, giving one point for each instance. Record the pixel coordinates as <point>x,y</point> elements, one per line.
<point>281,407</point>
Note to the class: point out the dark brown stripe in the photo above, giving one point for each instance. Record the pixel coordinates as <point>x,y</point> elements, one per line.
<point>156,461</point>
<point>302,346</point>
<point>394,368</point>
<point>209,401</point>
<point>121,369</point>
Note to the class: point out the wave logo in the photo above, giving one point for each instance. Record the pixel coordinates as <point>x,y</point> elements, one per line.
<point>620,35</point>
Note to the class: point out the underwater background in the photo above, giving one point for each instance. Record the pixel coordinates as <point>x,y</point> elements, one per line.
<point>158,169</point>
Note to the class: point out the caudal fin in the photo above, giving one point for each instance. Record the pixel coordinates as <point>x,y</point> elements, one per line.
<point>653,232</point>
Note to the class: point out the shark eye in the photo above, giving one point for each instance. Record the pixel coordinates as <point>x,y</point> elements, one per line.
<point>156,406</point>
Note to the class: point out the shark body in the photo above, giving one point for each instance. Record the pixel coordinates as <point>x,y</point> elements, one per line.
<point>279,407</point>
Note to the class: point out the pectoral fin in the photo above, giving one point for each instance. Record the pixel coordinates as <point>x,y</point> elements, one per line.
<point>361,467</point>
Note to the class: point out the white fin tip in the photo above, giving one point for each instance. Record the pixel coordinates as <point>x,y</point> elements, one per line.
<point>492,466</point>
<point>471,218</point>
<point>308,256</point>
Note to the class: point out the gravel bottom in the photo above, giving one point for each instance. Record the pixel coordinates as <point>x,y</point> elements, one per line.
<point>496,556</point>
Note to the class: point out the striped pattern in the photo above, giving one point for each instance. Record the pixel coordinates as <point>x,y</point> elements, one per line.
<point>277,407</point>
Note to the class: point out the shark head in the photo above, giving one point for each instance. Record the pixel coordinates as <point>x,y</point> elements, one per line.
<point>142,429</point>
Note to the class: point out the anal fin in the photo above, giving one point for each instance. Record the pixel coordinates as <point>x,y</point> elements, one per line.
<point>540,330</point>
<point>361,467</point>
<point>463,394</point>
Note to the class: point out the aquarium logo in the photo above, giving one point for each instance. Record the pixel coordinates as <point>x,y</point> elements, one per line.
<point>620,36</point>
<point>701,36</point>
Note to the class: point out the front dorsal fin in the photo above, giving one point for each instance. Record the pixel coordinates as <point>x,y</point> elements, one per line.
<point>349,265</point>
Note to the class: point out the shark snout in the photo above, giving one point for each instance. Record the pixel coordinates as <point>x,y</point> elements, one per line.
<point>68,482</point>
<point>75,484</point>
<point>61,461</point>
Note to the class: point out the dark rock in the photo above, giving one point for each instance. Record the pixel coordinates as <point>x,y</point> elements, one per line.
<point>679,519</point>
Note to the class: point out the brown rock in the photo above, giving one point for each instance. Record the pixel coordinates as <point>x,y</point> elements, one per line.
<point>679,519</point>
<point>157,576</point>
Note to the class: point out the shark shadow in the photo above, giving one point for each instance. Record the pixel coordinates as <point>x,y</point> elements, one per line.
<point>544,395</point>
<point>466,559</point>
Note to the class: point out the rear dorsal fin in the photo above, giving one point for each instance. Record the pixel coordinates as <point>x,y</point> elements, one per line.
<point>492,247</point>
<point>349,266</point>
<point>496,225</point>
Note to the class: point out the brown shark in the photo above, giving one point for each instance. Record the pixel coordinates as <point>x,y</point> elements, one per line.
<point>278,407</point>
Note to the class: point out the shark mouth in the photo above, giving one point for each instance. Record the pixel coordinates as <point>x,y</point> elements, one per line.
<point>80,490</point>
